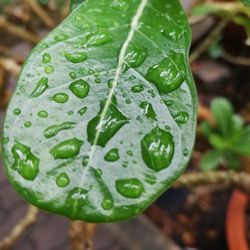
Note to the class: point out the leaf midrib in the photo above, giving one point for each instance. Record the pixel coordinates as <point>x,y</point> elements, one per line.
<point>133,28</point>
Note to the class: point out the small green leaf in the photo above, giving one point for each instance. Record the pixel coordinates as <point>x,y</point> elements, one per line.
<point>113,125</point>
<point>222,111</point>
<point>233,160</point>
<point>211,160</point>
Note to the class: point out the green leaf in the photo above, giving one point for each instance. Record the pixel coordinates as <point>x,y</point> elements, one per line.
<point>114,125</point>
<point>242,145</point>
<point>233,160</point>
<point>211,160</point>
<point>222,111</point>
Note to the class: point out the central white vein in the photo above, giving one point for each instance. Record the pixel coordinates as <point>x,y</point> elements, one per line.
<point>121,60</point>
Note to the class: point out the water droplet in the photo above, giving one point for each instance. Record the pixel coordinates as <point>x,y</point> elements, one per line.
<point>49,70</point>
<point>61,37</point>
<point>113,121</point>
<point>5,140</point>
<point>125,164</point>
<point>130,188</point>
<point>172,33</point>
<point>98,80</point>
<point>107,204</point>
<point>82,111</point>
<point>77,198</point>
<point>130,153</point>
<point>26,163</point>
<point>132,78</point>
<point>55,129</point>
<point>62,180</point>
<point>76,57</point>
<point>150,178</point>
<point>121,5</point>
<point>169,103</point>
<point>85,161</point>
<point>17,111</point>
<point>41,86</point>
<point>98,38</point>
<point>181,117</point>
<point>185,152</point>
<point>110,83</point>
<point>80,88</point>
<point>128,101</point>
<point>112,155</point>
<point>135,56</point>
<point>67,149</point>
<point>148,110</point>
<point>27,124</point>
<point>98,172</point>
<point>72,75</point>
<point>158,149</point>
<point>42,114</point>
<point>46,58</point>
<point>70,112</point>
<point>60,98</point>
<point>91,72</point>
<point>165,76</point>
<point>137,88</point>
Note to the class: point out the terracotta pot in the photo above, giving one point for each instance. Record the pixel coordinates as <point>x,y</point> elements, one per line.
<point>236,221</point>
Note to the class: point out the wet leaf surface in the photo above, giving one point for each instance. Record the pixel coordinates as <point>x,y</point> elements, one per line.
<point>103,117</point>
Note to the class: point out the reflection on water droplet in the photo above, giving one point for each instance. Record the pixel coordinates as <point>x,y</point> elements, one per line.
<point>112,155</point>
<point>121,5</point>
<point>113,121</point>
<point>165,76</point>
<point>41,86</point>
<point>27,124</point>
<point>55,129</point>
<point>130,188</point>
<point>181,117</point>
<point>26,163</point>
<point>80,88</point>
<point>137,88</point>
<point>42,114</point>
<point>62,180</point>
<point>60,98</point>
<point>82,111</point>
<point>46,58</point>
<point>72,75</point>
<point>67,149</point>
<point>17,111</point>
<point>135,56</point>
<point>76,57</point>
<point>148,110</point>
<point>49,70</point>
<point>157,149</point>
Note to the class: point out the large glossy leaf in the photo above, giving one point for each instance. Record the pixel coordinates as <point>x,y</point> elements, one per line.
<point>103,117</point>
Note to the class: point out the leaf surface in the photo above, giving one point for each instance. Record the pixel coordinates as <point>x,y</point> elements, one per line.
<point>103,117</point>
